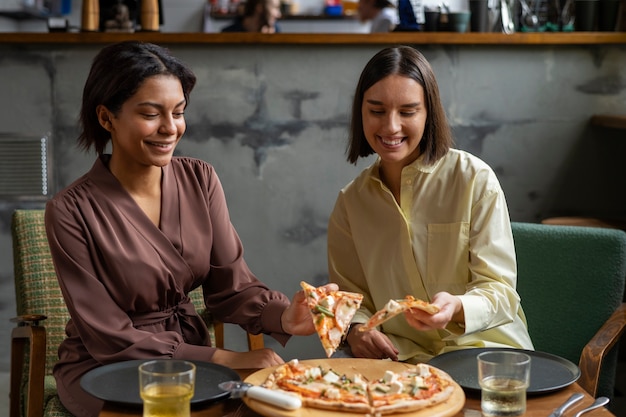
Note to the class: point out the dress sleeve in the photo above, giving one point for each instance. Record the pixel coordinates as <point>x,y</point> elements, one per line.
<point>98,324</point>
<point>232,292</point>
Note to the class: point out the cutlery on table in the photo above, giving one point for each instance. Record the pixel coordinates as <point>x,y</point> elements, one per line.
<point>558,412</point>
<point>599,402</point>
<point>240,389</point>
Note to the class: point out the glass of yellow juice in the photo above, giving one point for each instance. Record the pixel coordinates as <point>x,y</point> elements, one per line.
<point>504,377</point>
<point>166,387</point>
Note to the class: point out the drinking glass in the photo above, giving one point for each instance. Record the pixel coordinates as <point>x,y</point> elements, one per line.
<point>166,387</point>
<point>504,377</point>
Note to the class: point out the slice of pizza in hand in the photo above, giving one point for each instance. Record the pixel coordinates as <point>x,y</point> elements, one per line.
<point>395,307</point>
<point>331,312</point>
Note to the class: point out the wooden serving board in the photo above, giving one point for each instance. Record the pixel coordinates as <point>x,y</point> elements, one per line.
<point>370,369</point>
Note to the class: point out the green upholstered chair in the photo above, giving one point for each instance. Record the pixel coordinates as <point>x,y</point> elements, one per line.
<point>39,300</point>
<point>571,282</point>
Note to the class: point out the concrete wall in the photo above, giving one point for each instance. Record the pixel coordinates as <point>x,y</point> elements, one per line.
<point>273,119</point>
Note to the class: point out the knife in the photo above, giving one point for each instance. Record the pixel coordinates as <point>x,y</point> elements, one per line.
<point>558,412</point>
<point>280,399</point>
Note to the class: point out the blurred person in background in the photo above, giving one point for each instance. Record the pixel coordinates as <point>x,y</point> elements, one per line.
<point>259,16</point>
<point>382,14</point>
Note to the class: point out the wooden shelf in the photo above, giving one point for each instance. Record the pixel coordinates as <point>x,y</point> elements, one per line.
<point>608,120</point>
<point>445,38</point>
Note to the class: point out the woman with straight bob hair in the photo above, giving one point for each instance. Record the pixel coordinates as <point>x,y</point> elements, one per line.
<point>424,220</point>
<point>410,63</point>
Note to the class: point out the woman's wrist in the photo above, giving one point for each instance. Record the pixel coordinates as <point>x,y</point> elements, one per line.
<point>353,326</point>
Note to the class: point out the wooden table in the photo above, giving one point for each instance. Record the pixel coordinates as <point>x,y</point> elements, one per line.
<point>536,406</point>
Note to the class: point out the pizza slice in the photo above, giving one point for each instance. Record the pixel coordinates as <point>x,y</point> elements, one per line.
<point>321,387</point>
<point>395,307</point>
<point>331,313</point>
<point>411,390</point>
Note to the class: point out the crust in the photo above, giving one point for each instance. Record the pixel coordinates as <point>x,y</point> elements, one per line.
<point>338,405</point>
<point>406,405</point>
<point>407,303</point>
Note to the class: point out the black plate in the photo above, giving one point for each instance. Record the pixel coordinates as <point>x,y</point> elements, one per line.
<point>119,382</point>
<point>547,372</point>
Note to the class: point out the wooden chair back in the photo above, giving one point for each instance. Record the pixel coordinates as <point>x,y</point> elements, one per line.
<point>38,301</point>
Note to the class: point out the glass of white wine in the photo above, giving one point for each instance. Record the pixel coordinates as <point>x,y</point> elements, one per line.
<point>166,387</point>
<point>504,376</point>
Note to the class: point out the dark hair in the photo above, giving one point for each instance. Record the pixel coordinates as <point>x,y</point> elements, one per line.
<point>381,4</point>
<point>408,62</point>
<point>249,7</point>
<point>116,74</point>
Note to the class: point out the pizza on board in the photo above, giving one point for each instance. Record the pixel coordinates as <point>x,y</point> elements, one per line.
<point>395,307</point>
<point>415,388</point>
<point>331,312</point>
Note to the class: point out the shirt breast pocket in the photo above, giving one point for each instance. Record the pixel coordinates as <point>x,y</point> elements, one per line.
<point>448,257</point>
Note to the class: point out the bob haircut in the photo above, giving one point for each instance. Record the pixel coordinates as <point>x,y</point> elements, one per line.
<point>116,74</point>
<point>407,62</point>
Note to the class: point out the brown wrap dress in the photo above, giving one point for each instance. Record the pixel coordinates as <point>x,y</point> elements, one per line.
<point>125,281</point>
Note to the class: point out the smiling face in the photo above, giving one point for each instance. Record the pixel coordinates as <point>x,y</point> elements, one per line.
<point>394,116</point>
<point>148,126</point>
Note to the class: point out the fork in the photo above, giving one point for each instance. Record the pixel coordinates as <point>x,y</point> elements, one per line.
<point>601,401</point>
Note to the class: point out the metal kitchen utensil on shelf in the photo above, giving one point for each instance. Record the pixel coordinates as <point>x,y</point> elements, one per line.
<point>506,15</point>
<point>558,412</point>
<point>529,18</point>
<point>240,389</point>
<point>599,402</point>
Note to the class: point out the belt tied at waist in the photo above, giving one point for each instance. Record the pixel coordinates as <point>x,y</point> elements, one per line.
<point>191,326</point>
<point>184,308</point>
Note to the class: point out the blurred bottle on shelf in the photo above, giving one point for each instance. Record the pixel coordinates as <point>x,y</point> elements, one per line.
<point>149,16</point>
<point>90,16</point>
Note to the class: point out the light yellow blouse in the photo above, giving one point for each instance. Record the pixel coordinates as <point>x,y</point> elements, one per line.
<point>451,232</point>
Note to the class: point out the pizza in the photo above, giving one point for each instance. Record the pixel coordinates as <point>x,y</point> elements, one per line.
<point>331,312</point>
<point>413,388</point>
<point>395,307</point>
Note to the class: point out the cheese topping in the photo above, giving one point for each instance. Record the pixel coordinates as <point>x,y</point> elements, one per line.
<point>392,306</point>
<point>331,377</point>
<point>332,393</point>
<point>389,376</point>
<point>328,302</point>
<point>422,369</point>
<point>313,373</point>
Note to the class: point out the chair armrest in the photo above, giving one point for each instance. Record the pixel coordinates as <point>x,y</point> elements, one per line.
<point>597,348</point>
<point>28,319</point>
<point>28,332</point>
<point>255,341</point>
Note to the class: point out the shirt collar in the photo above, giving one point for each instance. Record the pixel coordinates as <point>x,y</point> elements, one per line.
<point>417,165</point>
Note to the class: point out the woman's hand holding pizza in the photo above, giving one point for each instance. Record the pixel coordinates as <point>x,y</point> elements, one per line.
<point>450,309</point>
<point>296,319</point>
<point>371,344</point>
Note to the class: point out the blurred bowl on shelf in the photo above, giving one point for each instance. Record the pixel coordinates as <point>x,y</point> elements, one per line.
<point>458,21</point>
<point>336,10</point>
